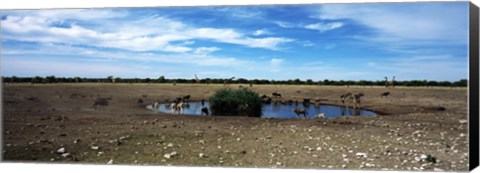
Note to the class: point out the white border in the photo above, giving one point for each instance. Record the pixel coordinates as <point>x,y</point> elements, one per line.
<point>73,168</point>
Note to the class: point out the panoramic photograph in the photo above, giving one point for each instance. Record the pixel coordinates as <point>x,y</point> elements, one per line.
<point>360,86</point>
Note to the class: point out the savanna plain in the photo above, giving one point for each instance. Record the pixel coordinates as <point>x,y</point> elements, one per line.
<point>416,128</point>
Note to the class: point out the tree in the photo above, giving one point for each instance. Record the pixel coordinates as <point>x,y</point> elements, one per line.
<point>242,80</point>
<point>297,81</point>
<point>111,79</point>
<point>51,79</point>
<point>162,79</point>
<point>36,79</point>
<point>77,79</point>
<point>309,82</point>
<point>327,82</point>
<point>238,102</point>
<point>462,82</point>
<point>13,79</point>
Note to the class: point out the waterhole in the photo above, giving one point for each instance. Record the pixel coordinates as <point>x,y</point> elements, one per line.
<point>273,110</point>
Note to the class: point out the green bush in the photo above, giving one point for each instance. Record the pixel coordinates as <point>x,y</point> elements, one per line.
<point>237,102</point>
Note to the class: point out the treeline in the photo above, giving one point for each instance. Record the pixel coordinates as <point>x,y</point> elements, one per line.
<point>162,79</point>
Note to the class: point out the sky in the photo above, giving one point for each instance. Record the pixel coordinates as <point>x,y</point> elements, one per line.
<point>411,41</point>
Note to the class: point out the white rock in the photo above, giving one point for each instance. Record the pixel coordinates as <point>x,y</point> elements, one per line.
<point>202,155</point>
<point>167,156</point>
<point>463,121</point>
<point>423,157</point>
<point>173,153</point>
<point>61,150</point>
<point>95,147</point>
<point>110,162</point>
<point>65,154</point>
<point>169,145</point>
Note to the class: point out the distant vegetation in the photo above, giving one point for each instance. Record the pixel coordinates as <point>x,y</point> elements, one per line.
<point>162,79</point>
<point>236,102</point>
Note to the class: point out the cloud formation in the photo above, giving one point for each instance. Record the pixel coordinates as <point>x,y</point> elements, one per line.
<point>393,23</point>
<point>133,35</point>
<point>322,27</point>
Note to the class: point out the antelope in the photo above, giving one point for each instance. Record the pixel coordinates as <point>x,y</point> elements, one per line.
<point>300,111</point>
<point>353,97</point>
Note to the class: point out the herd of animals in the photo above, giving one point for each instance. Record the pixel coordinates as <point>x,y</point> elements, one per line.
<point>177,105</point>
<point>180,103</point>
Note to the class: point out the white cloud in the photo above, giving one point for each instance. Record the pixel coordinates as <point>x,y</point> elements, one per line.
<point>322,27</point>
<point>261,32</point>
<point>308,44</point>
<point>199,57</point>
<point>61,15</point>
<point>233,37</point>
<point>404,22</point>
<point>205,50</point>
<point>43,68</point>
<point>134,35</point>
<point>284,24</point>
<point>276,61</point>
<point>188,42</point>
<point>433,67</point>
<point>239,12</point>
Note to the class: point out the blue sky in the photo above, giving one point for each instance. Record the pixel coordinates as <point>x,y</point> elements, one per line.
<point>412,41</point>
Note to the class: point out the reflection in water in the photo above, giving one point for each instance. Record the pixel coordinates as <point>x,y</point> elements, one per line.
<point>353,112</point>
<point>273,110</point>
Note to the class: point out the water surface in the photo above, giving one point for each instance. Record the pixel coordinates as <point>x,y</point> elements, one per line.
<point>275,110</point>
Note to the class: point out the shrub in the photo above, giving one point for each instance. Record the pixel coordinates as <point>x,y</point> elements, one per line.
<point>238,102</point>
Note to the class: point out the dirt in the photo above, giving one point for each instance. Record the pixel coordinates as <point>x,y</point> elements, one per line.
<point>416,129</point>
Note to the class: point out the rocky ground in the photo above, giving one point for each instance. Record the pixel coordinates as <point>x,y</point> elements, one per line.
<point>419,129</point>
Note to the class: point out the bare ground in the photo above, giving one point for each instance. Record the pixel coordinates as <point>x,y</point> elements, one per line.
<point>38,120</point>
